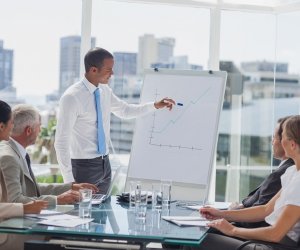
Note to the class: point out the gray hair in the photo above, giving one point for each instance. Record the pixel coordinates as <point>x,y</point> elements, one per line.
<point>24,116</point>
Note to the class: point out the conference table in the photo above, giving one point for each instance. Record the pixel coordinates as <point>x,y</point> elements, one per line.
<point>115,223</point>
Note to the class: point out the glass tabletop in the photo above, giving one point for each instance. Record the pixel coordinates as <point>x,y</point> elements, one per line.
<point>115,221</point>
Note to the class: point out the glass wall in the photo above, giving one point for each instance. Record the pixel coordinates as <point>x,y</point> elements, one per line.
<point>40,58</point>
<point>31,34</point>
<point>143,36</point>
<point>244,148</point>
<point>287,86</point>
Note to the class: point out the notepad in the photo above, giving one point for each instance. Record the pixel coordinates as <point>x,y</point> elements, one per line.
<point>187,220</point>
<point>217,205</point>
<point>43,214</point>
<point>65,223</point>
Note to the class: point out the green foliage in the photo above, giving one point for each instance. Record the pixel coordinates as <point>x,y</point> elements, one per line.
<point>49,179</point>
<point>47,132</point>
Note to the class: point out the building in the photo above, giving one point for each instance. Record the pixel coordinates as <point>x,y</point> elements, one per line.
<point>8,93</point>
<point>260,78</point>
<point>177,62</point>
<point>154,50</point>
<point>125,63</point>
<point>69,71</point>
<point>126,86</point>
<point>264,66</point>
<point>6,67</point>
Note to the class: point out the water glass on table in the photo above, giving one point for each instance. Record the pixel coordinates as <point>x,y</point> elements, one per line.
<point>166,192</point>
<point>85,204</point>
<point>156,196</point>
<point>133,186</point>
<point>141,202</point>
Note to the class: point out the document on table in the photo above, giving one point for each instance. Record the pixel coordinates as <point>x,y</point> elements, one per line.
<point>187,220</point>
<point>65,223</point>
<point>217,205</point>
<point>55,218</point>
<point>44,213</point>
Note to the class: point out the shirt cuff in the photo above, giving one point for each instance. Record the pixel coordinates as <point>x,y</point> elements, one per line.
<point>68,177</point>
<point>19,209</point>
<point>150,106</point>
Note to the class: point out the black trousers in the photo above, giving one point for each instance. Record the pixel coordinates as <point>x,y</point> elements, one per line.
<point>222,242</point>
<point>96,171</point>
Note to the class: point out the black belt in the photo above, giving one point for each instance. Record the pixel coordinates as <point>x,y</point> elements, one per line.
<point>103,156</point>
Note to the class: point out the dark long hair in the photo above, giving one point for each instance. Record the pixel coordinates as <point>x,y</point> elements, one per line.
<point>5,112</point>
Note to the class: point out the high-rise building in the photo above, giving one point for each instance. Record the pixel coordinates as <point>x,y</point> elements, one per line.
<point>125,64</point>
<point>127,87</point>
<point>8,93</point>
<point>154,50</point>
<point>177,62</point>
<point>6,67</point>
<point>265,66</point>
<point>70,61</point>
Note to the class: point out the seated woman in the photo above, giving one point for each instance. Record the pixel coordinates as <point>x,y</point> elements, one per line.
<point>8,210</point>
<point>282,212</point>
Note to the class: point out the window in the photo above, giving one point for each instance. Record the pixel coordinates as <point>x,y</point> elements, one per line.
<point>246,125</point>
<point>146,36</point>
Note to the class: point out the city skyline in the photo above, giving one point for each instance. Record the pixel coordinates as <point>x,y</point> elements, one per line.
<point>35,35</point>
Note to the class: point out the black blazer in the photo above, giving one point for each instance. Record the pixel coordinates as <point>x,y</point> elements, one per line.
<point>268,188</point>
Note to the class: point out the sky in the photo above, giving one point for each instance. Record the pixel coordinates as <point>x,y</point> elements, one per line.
<point>33,29</point>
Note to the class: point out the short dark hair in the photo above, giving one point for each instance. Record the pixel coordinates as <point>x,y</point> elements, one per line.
<point>95,57</point>
<point>5,112</point>
<point>281,121</point>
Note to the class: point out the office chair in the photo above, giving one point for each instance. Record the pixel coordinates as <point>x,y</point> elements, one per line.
<point>270,245</point>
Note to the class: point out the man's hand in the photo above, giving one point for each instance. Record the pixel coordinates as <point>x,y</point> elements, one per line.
<point>211,213</point>
<point>34,207</point>
<point>223,225</point>
<point>69,197</point>
<point>166,102</point>
<point>77,186</point>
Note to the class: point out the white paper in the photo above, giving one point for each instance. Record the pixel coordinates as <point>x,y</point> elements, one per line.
<point>184,218</point>
<point>44,213</point>
<point>217,205</point>
<point>58,217</point>
<point>198,223</point>
<point>65,223</point>
<point>187,220</point>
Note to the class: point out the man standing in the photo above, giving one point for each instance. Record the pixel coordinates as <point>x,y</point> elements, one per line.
<point>83,126</point>
<point>17,180</point>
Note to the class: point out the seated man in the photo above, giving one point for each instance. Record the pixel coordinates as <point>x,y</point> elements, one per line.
<point>272,184</point>
<point>17,179</point>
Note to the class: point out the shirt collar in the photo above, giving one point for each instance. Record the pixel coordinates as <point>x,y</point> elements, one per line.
<point>21,149</point>
<point>91,87</point>
<point>282,162</point>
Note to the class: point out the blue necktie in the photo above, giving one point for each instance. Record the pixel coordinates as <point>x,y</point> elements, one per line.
<point>100,131</point>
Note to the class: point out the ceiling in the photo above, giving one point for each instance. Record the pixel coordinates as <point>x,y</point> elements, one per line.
<point>276,6</point>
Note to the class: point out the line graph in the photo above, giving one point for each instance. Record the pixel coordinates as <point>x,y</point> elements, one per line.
<point>172,122</point>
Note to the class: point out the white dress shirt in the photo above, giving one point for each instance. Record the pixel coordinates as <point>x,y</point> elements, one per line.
<point>76,130</point>
<point>289,196</point>
<point>22,151</point>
